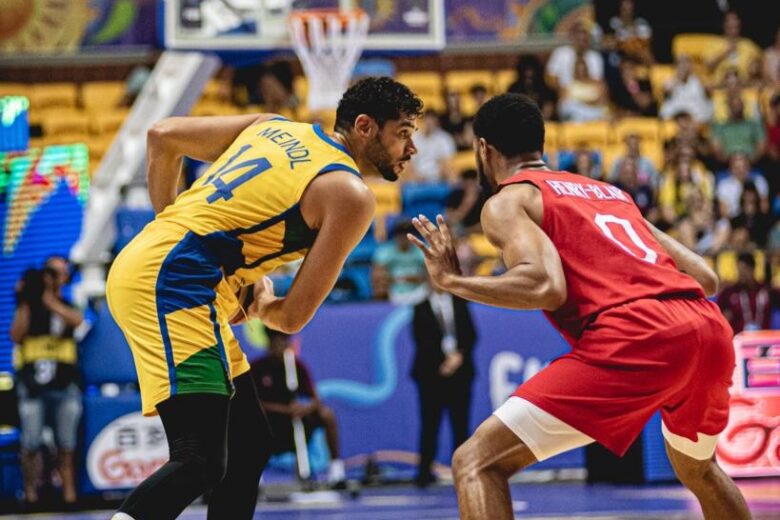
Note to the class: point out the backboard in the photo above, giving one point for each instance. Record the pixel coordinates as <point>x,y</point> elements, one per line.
<point>402,25</point>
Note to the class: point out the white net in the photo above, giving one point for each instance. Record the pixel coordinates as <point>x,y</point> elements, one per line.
<point>328,44</point>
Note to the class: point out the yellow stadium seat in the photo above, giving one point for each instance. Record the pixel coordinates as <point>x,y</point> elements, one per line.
<point>301,87</point>
<point>504,78</point>
<point>726,266</point>
<point>482,246</point>
<point>552,136</point>
<point>751,100</point>
<point>57,124</point>
<point>53,95</point>
<point>669,130</point>
<point>463,80</point>
<point>609,155</point>
<point>212,91</point>
<point>696,46</point>
<point>388,201</point>
<point>98,146</point>
<point>102,94</point>
<point>108,121</point>
<point>211,108</point>
<point>659,75</point>
<point>463,161</point>
<point>645,127</point>
<point>593,134</point>
<point>14,89</point>
<point>66,138</point>
<point>427,85</point>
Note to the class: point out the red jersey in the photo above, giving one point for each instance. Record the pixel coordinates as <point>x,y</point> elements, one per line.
<point>609,255</point>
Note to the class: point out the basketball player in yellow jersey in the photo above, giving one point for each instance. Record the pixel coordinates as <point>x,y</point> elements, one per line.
<point>277,191</point>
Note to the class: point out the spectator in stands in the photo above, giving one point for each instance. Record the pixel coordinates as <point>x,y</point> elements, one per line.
<point>733,51</point>
<point>443,368</point>
<point>479,94</point>
<point>729,189</point>
<point>771,163</point>
<point>631,95</point>
<point>683,175</point>
<point>399,268</point>
<point>455,123</point>
<point>772,61</point>
<point>464,204</point>
<point>690,133</point>
<point>748,304</point>
<point>698,229</point>
<point>685,93</point>
<point>530,81</point>
<point>561,65</point>
<point>282,405</point>
<point>45,329</point>
<point>738,135</point>
<point>435,150</point>
<point>750,228</point>
<point>584,98</point>
<point>647,174</point>
<point>632,33</point>
<point>585,164</point>
<point>643,195</point>
<point>276,89</point>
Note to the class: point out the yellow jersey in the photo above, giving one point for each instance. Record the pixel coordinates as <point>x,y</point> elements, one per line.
<point>246,207</point>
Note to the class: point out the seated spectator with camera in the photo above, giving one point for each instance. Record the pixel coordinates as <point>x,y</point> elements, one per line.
<point>47,376</point>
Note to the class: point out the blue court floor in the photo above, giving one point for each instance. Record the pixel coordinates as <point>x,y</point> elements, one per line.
<point>571,501</point>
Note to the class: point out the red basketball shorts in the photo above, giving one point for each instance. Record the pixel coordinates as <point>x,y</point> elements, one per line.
<point>673,355</point>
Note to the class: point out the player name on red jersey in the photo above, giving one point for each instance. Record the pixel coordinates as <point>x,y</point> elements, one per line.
<point>587,191</point>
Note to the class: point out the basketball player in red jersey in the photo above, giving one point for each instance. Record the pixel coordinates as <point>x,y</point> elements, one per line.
<point>630,301</point>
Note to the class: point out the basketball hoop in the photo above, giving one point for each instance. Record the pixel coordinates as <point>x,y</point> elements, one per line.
<point>328,43</point>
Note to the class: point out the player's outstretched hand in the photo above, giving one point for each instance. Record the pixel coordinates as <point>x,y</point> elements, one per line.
<point>440,257</point>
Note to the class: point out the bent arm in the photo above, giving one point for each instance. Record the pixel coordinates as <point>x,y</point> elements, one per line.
<point>344,206</point>
<point>687,261</point>
<point>534,278</point>
<point>202,138</point>
<point>21,323</point>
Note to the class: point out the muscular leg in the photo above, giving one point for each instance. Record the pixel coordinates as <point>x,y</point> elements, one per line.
<point>719,497</point>
<point>196,428</point>
<point>249,448</point>
<point>482,467</point>
<point>331,431</point>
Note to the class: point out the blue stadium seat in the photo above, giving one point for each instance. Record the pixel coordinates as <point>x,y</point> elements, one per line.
<point>426,199</point>
<point>130,222</point>
<point>364,251</point>
<point>567,158</point>
<point>105,356</point>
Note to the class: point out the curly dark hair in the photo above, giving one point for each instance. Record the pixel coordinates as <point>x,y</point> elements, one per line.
<point>512,123</point>
<point>382,98</point>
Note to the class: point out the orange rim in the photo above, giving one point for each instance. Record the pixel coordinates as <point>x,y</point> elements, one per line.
<point>343,15</point>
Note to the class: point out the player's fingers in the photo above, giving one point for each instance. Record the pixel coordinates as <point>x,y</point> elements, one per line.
<point>422,228</point>
<point>434,236</point>
<point>444,229</point>
<point>416,241</point>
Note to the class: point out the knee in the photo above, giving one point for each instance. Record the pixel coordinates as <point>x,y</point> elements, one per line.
<point>696,475</point>
<point>208,467</point>
<point>467,462</point>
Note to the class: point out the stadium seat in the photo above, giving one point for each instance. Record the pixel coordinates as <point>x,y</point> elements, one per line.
<point>213,108</point>
<point>388,201</point>
<point>659,75</point>
<point>465,160</point>
<point>107,121</point>
<point>645,127</point>
<point>56,123</point>
<point>696,46</point>
<point>726,266</point>
<point>567,158</point>
<point>503,79</point>
<point>102,94</point>
<point>552,136</point>
<point>130,222</point>
<point>669,130</point>
<point>53,95</point>
<point>364,251</point>
<point>593,134</point>
<point>14,89</point>
<point>751,100</point>
<point>462,81</point>
<point>428,85</point>
<point>425,199</point>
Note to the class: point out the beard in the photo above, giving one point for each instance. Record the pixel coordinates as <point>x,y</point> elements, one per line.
<point>484,181</point>
<point>381,160</point>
